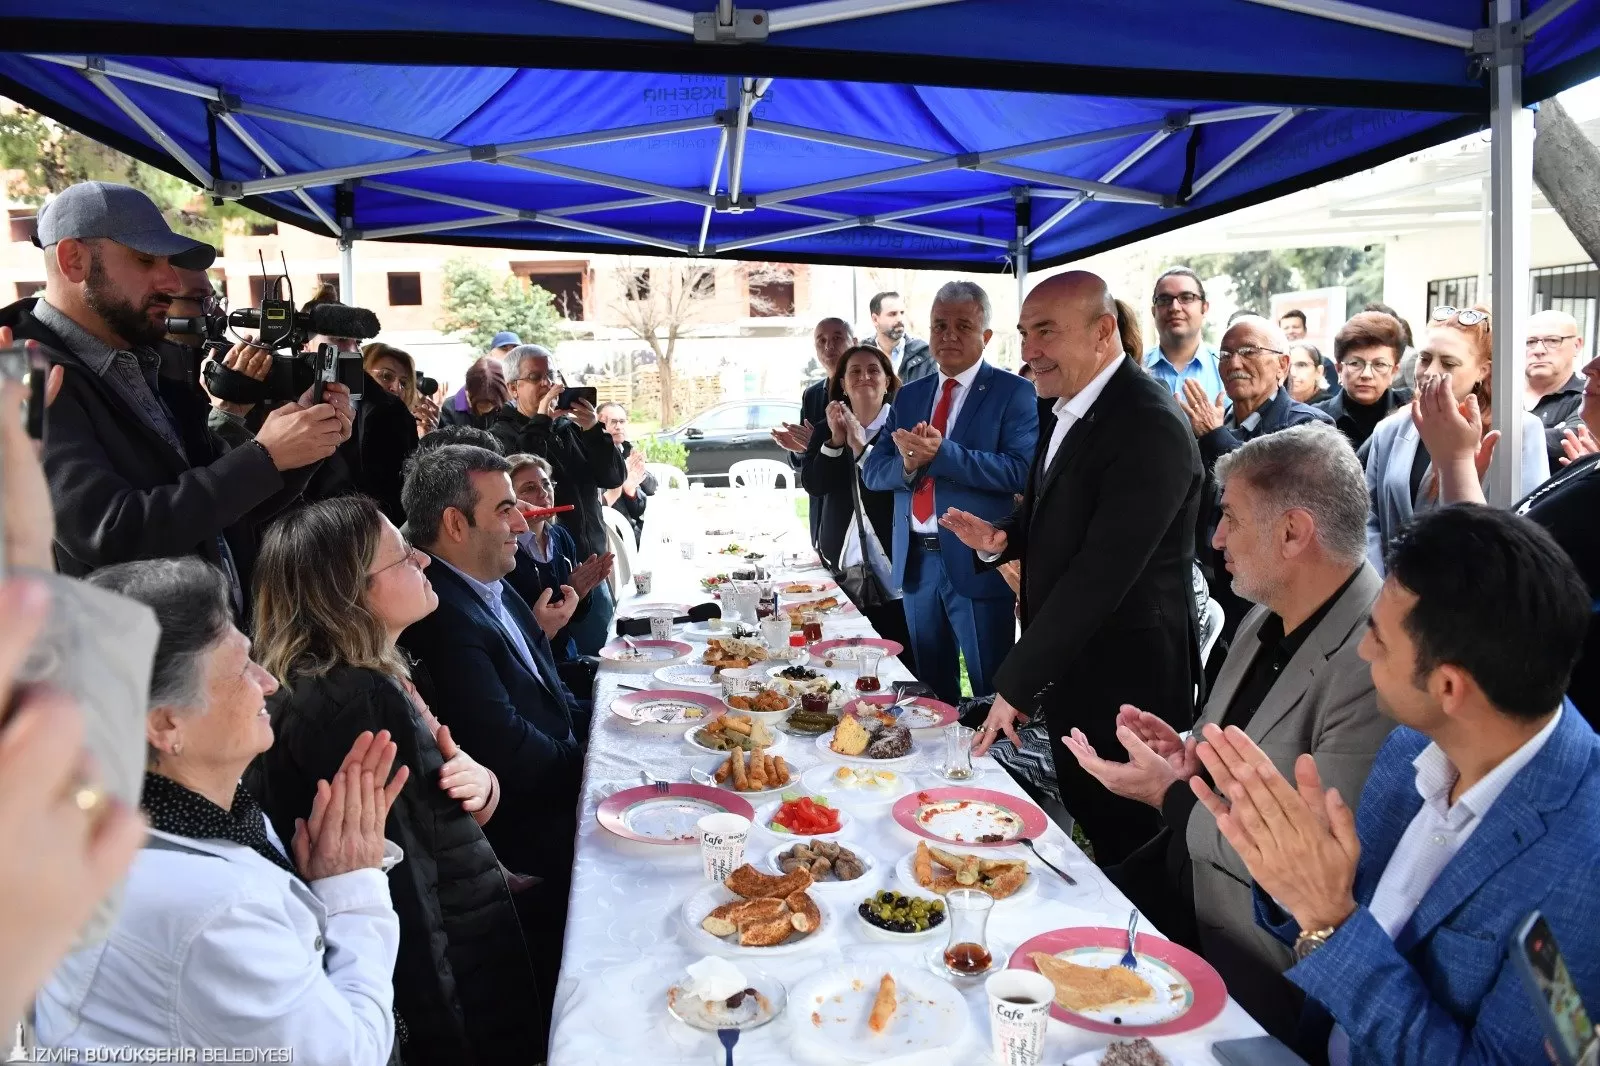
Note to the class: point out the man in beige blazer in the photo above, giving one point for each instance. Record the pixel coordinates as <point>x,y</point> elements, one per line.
<point>1293,536</point>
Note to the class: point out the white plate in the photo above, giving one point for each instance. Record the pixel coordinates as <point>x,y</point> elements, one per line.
<point>651,711</point>
<point>709,898</point>
<point>702,631</point>
<point>751,1014</point>
<point>831,1007</point>
<point>824,745</point>
<point>765,814</point>
<point>689,738</point>
<point>821,780</point>
<point>908,878</point>
<point>826,673</point>
<point>858,886</point>
<point>691,676</point>
<point>794,783</point>
<point>873,932</point>
<point>1163,977</point>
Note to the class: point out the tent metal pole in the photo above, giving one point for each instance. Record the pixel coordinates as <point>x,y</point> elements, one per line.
<point>750,92</point>
<point>657,15</point>
<point>432,227</point>
<point>860,181</point>
<point>504,209</point>
<point>1374,19</point>
<point>126,72</point>
<point>347,270</point>
<point>1486,238</point>
<point>786,235</point>
<point>1024,208</point>
<point>1548,13</point>
<point>151,129</point>
<point>1144,149</point>
<point>1511,178</point>
<point>826,11</point>
<point>611,181</point>
<point>490,153</point>
<point>1237,156</point>
<point>604,205</point>
<point>619,234</point>
<point>249,141</point>
<point>711,187</point>
<point>1101,190</point>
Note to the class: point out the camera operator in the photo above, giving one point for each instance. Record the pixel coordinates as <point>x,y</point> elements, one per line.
<point>134,472</point>
<point>581,455</point>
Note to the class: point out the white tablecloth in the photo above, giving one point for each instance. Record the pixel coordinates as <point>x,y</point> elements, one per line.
<point>624,939</point>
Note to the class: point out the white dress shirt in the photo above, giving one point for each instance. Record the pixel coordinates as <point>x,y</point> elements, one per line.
<point>1069,412</point>
<point>1437,832</point>
<point>958,397</point>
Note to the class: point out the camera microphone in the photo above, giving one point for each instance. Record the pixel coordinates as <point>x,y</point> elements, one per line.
<point>338,320</point>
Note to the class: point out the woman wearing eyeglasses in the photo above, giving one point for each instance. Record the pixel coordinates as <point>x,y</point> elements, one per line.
<point>336,585</point>
<point>1367,350</point>
<point>1402,477</point>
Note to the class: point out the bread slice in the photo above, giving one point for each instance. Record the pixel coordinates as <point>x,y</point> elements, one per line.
<point>756,910</point>
<point>750,883</point>
<point>720,921</point>
<point>804,916</point>
<point>766,934</point>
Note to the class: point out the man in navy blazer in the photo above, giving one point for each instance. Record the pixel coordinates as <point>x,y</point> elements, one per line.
<point>1482,808</point>
<point>494,677</point>
<point>962,438</point>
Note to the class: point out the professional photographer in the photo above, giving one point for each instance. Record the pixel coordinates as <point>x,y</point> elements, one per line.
<point>134,472</point>
<point>582,457</point>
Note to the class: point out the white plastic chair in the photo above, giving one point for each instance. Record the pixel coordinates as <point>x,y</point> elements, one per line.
<point>619,531</point>
<point>762,474</point>
<point>1210,629</point>
<point>667,476</point>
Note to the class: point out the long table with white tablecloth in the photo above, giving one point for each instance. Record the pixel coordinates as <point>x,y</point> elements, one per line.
<point>625,940</point>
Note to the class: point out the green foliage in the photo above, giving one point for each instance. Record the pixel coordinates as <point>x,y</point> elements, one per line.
<point>670,452</point>
<point>1257,275</point>
<point>477,306</point>
<point>48,157</point>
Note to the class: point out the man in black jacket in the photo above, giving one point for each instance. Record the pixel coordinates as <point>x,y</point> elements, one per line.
<point>582,457</point>
<point>134,472</point>
<point>495,680</point>
<point>1105,533</point>
<point>889,334</point>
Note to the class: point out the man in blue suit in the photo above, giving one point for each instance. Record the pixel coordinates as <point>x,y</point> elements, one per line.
<point>1483,807</point>
<point>962,438</point>
<point>495,678</point>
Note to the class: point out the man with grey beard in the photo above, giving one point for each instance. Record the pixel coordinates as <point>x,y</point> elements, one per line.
<point>134,472</point>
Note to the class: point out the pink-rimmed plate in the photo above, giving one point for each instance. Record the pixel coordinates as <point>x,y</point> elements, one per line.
<point>646,816</point>
<point>925,713</point>
<point>964,815</point>
<point>666,706</point>
<point>645,610</point>
<point>1189,993</point>
<point>842,650</point>
<point>802,588</point>
<point>645,654</point>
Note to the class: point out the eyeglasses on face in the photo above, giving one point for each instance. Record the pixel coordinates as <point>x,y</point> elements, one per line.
<point>1377,366</point>
<point>1186,299</point>
<point>1246,351</point>
<point>1467,316</point>
<point>412,556</point>
<point>1549,343</point>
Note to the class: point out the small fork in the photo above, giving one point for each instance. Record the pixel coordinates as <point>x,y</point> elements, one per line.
<point>1128,958</point>
<point>660,786</point>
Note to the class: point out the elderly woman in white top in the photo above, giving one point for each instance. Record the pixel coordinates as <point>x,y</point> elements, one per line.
<point>224,941</point>
<point>854,540</point>
<point>1401,476</point>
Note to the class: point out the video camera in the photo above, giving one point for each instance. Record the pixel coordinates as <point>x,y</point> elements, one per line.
<point>286,332</point>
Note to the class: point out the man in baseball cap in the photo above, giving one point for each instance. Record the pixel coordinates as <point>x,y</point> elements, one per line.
<point>134,471</point>
<point>503,342</point>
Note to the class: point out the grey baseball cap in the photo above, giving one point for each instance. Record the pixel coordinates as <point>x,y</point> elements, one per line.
<point>122,214</point>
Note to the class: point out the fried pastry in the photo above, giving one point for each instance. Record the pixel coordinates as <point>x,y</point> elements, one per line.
<point>720,921</point>
<point>751,883</point>
<point>922,865</point>
<point>883,1006</point>
<point>1085,988</point>
<point>769,932</point>
<point>965,867</point>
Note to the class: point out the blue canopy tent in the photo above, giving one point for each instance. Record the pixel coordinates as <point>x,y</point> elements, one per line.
<point>983,135</point>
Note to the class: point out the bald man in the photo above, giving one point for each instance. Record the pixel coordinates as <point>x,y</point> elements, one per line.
<point>1555,389</point>
<point>1105,533</point>
<point>1253,359</point>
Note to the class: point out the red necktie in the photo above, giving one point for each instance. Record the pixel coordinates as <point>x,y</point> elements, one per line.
<point>922,499</point>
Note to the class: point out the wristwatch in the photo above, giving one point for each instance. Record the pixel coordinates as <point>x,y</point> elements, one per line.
<point>1310,940</point>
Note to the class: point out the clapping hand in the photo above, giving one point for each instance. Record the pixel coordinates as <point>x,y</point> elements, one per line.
<point>1451,431</point>
<point>1157,757</point>
<point>792,437</point>
<point>974,532</point>
<point>1578,442</point>
<point>589,573</point>
<point>462,777</point>
<point>426,412</point>
<point>1300,845</point>
<point>344,831</point>
<point>918,445</point>
<point>1205,414</point>
<point>552,617</point>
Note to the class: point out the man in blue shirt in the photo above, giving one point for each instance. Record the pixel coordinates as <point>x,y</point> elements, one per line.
<point>1179,307</point>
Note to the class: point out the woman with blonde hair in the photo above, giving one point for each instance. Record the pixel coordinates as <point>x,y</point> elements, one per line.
<point>395,370</point>
<point>336,584</point>
<point>1458,350</point>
